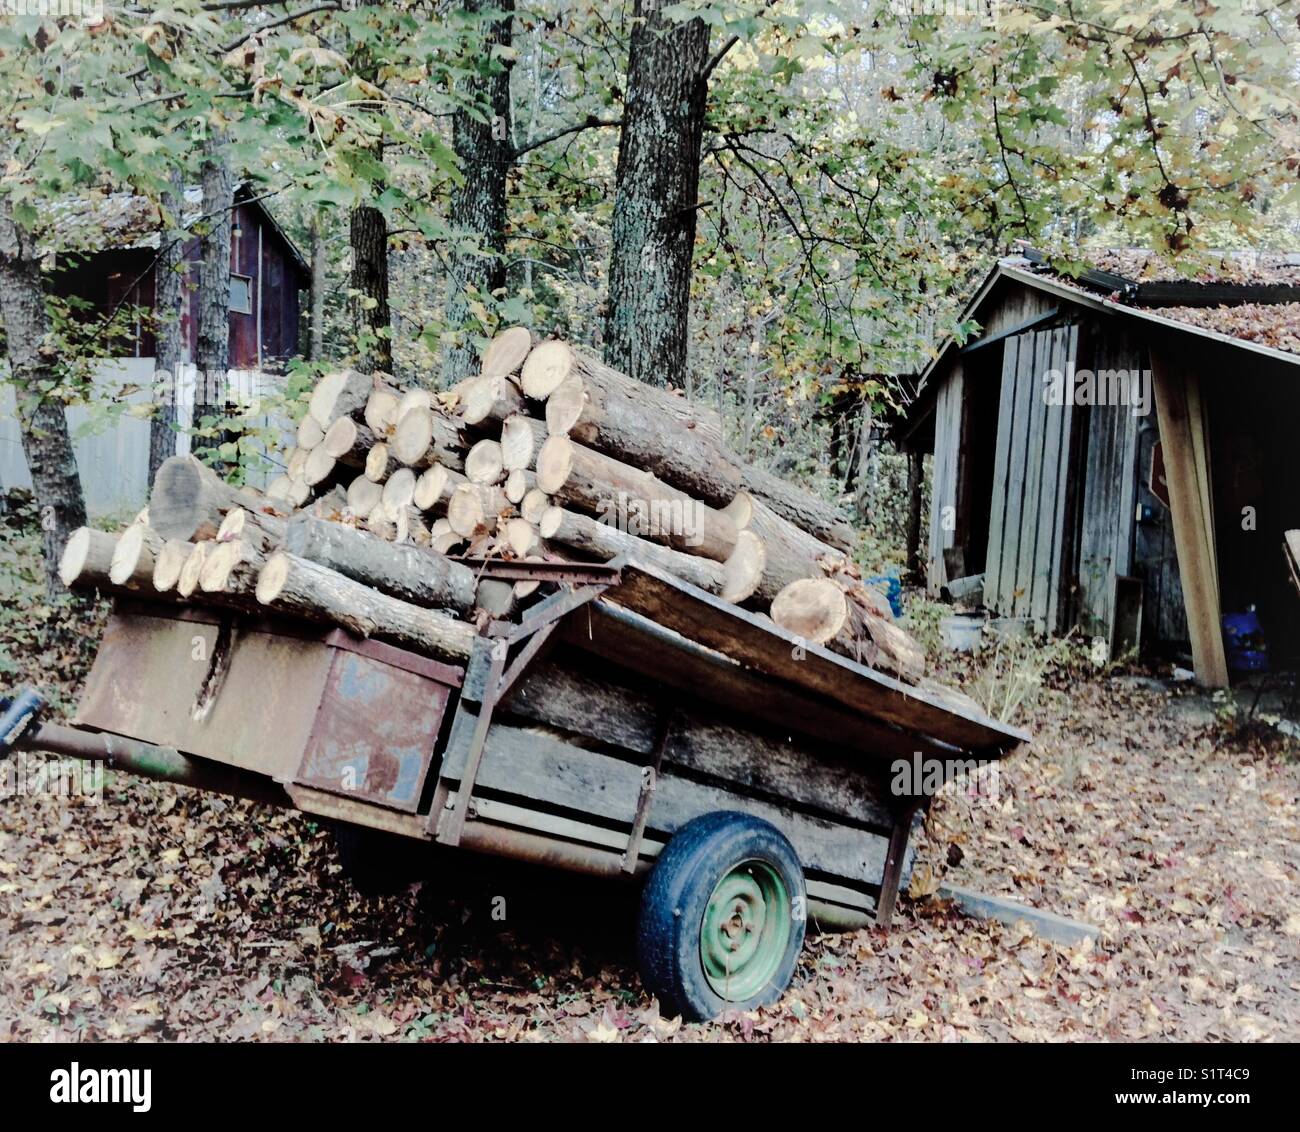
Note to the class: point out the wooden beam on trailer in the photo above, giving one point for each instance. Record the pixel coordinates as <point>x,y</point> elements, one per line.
<point>1181,417</point>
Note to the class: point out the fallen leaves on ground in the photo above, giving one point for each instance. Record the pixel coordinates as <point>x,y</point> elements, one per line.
<point>166,914</point>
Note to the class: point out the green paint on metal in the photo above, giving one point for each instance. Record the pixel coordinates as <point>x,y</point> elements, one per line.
<point>745,931</point>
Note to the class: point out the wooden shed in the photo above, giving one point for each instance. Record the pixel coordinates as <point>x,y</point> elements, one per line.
<point>111,246</point>
<point>1113,450</point>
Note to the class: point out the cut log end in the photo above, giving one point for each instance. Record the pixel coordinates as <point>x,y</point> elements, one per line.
<point>271,579</point>
<point>517,444</point>
<point>507,351</point>
<point>546,366</point>
<point>565,404</point>
<point>815,609</point>
<point>743,571</point>
<point>167,567</point>
<point>381,411</point>
<point>413,436</point>
<point>484,464</point>
<point>554,463</point>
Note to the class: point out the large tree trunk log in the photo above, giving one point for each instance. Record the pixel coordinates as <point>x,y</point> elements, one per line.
<point>189,500</point>
<point>344,393</point>
<point>632,499</point>
<point>823,612</point>
<point>306,589</point>
<point>733,580</point>
<point>792,553</point>
<point>821,519</point>
<point>679,442</point>
<point>408,572</point>
<point>551,364</point>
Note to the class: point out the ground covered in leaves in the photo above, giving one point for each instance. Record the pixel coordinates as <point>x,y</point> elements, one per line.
<point>165,914</point>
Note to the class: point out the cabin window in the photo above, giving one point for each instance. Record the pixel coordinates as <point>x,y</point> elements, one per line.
<point>241,294</point>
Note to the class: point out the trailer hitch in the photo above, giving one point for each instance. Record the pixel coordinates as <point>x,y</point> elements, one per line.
<point>19,714</point>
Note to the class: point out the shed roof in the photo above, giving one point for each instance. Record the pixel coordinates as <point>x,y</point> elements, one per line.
<point>104,221</point>
<point>1248,301</point>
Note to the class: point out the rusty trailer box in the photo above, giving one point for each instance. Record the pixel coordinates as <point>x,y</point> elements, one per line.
<point>316,708</point>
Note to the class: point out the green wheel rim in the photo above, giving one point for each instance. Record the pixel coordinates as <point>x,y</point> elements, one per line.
<point>745,931</point>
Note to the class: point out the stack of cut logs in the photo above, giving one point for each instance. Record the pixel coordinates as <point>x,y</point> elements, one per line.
<point>547,455</point>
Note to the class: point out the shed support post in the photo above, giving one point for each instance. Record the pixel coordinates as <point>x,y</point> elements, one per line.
<point>1179,411</point>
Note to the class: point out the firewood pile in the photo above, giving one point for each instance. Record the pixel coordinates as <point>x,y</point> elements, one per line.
<point>546,455</point>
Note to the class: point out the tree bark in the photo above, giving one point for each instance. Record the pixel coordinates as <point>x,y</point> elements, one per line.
<point>213,355</point>
<point>319,282</point>
<point>371,316</point>
<point>657,186</point>
<point>297,587</point>
<point>478,204</point>
<point>411,573</point>
<point>169,285</point>
<point>47,445</point>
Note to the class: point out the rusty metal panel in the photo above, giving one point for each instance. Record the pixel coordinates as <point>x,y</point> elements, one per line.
<point>375,731</point>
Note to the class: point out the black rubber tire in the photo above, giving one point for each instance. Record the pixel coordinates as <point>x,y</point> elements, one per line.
<point>677,894</point>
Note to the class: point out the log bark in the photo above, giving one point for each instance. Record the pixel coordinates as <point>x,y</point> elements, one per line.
<point>733,580</point>
<point>820,519</point>
<point>411,573</point>
<point>295,586</point>
<point>633,499</point>
<point>169,348</point>
<point>189,499</point>
<point>212,349</point>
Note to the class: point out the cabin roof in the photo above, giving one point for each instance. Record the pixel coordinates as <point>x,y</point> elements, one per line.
<point>100,221</point>
<point>1246,300</point>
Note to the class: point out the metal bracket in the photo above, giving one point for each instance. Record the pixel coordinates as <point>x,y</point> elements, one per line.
<point>649,781</point>
<point>533,633</point>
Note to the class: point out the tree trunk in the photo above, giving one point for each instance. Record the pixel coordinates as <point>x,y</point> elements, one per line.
<point>47,446</point>
<point>213,355</point>
<point>478,203</point>
<point>653,232</point>
<point>319,282</point>
<point>372,319</point>
<point>169,284</point>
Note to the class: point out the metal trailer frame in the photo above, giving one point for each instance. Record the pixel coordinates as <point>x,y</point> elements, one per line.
<point>586,807</point>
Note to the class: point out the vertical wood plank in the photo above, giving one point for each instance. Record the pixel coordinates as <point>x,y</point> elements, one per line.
<point>1187,474</point>
<point>1006,414</point>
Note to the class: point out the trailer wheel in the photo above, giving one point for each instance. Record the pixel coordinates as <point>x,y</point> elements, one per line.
<point>722,917</point>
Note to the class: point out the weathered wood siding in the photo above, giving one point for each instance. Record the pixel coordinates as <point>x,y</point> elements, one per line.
<point>943,474</point>
<point>1029,531</point>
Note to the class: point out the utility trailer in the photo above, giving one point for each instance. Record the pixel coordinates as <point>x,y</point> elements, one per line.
<point>627,725</point>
